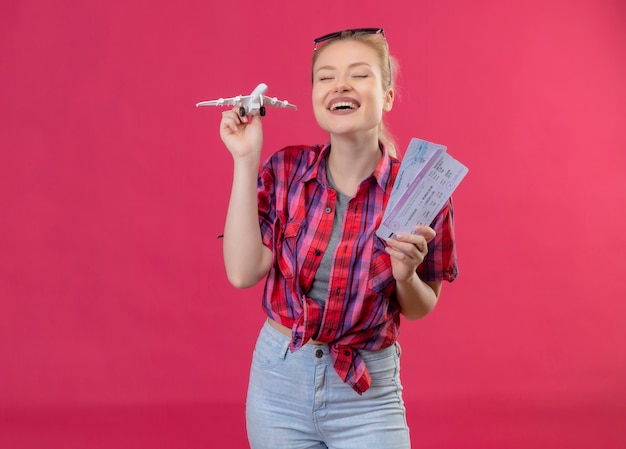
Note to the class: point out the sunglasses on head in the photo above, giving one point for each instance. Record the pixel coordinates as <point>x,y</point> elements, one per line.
<point>350,31</point>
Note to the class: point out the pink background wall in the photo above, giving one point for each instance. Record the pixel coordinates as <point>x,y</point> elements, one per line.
<point>117,325</point>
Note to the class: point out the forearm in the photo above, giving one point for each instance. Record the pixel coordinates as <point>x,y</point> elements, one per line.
<point>416,297</point>
<point>246,258</point>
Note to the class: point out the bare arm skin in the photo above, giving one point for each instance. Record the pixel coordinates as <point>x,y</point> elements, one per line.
<point>246,258</point>
<point>417,298</point>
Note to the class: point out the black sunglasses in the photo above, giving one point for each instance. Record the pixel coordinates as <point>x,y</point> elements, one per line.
<point>351,31</point>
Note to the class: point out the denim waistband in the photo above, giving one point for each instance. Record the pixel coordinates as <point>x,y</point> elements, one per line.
<point>275,337</point>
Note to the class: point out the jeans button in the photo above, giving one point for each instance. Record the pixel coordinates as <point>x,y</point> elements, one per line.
<point>319,353</point>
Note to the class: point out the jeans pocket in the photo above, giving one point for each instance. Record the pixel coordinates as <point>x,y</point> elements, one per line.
<point>270,349</point>
<point>383,365</point>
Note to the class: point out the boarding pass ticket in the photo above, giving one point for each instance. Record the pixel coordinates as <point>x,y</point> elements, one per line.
<point>427,177</point>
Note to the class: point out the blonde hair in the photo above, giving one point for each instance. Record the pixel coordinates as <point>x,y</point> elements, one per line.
<point>388,70</point>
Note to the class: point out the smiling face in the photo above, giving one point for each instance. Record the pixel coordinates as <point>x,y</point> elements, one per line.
<point>349,94</point>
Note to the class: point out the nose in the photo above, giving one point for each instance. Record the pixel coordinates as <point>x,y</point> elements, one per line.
<point>342,84</point>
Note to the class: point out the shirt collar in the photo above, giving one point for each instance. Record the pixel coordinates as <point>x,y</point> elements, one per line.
<point>382,172</point>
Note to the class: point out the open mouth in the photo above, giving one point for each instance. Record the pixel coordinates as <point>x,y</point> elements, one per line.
<point>343,106</point>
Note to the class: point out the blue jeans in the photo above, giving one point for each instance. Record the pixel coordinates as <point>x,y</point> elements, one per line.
<point>297,400</point>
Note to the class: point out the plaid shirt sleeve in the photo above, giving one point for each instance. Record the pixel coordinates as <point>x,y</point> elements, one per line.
<point>440,263</point>
<point>266,199</point>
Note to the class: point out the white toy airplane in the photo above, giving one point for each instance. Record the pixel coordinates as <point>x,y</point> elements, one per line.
<point>250,104</point>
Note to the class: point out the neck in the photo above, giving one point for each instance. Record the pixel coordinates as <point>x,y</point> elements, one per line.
<point>352,161</point>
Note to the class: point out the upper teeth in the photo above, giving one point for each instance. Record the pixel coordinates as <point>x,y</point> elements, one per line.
<point>343,104</point>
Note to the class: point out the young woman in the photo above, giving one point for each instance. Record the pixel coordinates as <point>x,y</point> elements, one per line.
<point>325,370</point>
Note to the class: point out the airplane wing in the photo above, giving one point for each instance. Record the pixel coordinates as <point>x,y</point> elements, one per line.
<point>273,101</point>
<point>233,101</point>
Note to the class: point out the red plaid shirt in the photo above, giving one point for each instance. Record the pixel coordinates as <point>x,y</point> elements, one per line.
<point>296,211</point>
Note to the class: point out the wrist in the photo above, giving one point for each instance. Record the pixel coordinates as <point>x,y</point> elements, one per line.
<point>408,281</point>
<point>249,162</point>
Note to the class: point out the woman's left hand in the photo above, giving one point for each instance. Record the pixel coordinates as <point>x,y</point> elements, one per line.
<point>408,251</point>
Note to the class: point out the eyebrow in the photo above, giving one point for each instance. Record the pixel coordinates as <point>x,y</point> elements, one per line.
<point>331,67</point>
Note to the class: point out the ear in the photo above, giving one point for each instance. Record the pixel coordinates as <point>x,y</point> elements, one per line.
<point>389,100</point>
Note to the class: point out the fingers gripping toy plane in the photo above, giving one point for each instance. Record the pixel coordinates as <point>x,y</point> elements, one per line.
<point>250,104</point>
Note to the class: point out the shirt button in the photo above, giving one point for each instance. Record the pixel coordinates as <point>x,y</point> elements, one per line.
<point>317,252</point>
<point>319,353</point>
<point>328,210</point>
<point>346,353</point>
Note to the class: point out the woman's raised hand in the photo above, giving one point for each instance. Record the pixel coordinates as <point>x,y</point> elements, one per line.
<point>243,136</point>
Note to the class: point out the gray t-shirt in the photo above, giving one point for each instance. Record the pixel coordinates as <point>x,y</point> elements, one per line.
<point>319,288</point>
